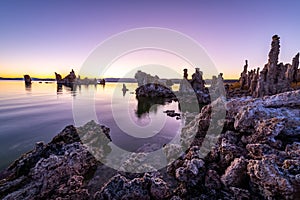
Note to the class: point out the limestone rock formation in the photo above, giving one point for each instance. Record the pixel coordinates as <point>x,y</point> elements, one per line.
<point>195,86</point>
<point>58,169</point>
<point>244,77</point>
<point>255,157</point>
<point>150,186</point>
<point>274,78</point>
<point>197,81</point>
<point>235,173</point>
<point>154,90</point>
<point>68,80</point>
<point>27,79</point>
<point>58,77</point>
<point>144,78</point>
<point>295,71</point>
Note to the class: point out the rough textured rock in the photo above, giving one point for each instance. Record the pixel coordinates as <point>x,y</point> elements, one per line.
<point>150,186</point>
<point>268,127</point>
<point>58,169</point>
<point>255,157</point>
<point>276,78</point>
<point>235,174</point>
<point>195,86</point>
<point>155,90</point>
<point>197,81</point>
<point>144,79</point>
<point>95,137</point>
<point>271,182</point>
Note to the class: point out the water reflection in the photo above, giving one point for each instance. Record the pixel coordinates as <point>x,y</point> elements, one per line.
<point>28,87</point>
<point>59,88</point>
<point>146,105</point>
<point>70,88</point>
<point>36,114</point>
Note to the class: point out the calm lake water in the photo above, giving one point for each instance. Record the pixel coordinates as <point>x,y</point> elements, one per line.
<point>39,112</point>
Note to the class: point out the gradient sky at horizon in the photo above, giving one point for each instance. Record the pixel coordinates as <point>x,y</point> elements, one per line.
<point>40,37</point>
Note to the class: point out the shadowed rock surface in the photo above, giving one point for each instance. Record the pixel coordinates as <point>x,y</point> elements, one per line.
<point>155,90</point>
<point>58,169</point>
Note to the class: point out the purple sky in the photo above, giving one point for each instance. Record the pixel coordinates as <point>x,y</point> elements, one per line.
<point>40,37</point>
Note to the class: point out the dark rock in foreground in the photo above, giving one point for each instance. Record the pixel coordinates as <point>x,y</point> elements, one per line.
<point>58,169</point>
<point>150,186</point>
<point>256,156</point>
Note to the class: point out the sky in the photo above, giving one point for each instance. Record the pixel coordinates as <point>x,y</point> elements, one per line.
<point>43,37</point>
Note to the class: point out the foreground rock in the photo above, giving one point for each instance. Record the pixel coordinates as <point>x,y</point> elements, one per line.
<point>58,169</point>
<point>256,156</point>
<point>150,186</point>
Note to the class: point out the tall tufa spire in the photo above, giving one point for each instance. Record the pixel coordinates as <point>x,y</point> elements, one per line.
<point>275,48</point>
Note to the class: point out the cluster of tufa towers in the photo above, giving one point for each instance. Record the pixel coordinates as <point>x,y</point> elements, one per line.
<point>274,78</point>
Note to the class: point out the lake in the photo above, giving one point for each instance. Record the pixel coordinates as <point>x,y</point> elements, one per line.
<point>39,112</point>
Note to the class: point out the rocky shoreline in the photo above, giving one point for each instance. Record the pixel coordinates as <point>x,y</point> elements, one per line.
<point>257,156</point>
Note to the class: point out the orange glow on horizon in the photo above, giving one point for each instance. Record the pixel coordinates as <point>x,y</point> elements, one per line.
<point>44,76</point>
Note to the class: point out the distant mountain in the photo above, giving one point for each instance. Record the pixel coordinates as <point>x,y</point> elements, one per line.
<point>230,80</point>
<point>1,78</point>
<point>34,79</point>
<point>126,80</point>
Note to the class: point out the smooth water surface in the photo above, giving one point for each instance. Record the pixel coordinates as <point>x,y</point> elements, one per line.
<point>41,111</point>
